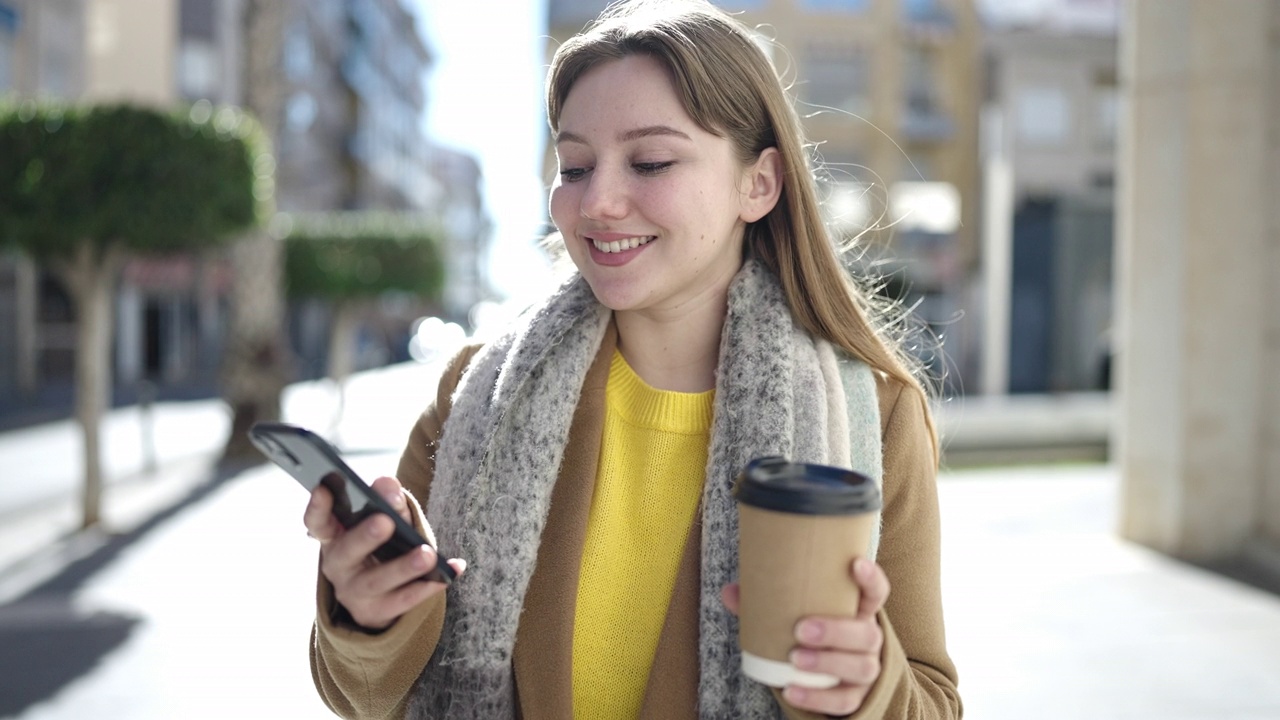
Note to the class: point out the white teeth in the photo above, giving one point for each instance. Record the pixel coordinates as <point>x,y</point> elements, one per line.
<point>620,245</point>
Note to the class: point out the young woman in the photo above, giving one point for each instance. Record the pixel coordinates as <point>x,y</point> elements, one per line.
<point>582,463</point>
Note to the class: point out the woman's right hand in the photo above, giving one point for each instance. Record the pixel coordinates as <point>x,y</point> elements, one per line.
<point>375,593</point>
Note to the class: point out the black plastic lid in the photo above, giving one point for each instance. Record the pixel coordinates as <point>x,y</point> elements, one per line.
<point>773,483</point>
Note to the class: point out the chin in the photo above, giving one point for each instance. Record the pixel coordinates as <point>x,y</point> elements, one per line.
<point>617,296</point>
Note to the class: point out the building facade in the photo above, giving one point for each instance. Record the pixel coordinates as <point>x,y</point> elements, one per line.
<point>349,85</point>
<point>459,177</point>
<point>1051,108</point>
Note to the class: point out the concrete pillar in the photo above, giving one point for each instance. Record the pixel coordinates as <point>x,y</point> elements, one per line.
<point>1271,331</point>
<point>997,254</point>
<point>1197,266</point>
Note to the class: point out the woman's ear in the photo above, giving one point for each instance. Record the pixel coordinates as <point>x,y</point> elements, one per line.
<point>763,180</point>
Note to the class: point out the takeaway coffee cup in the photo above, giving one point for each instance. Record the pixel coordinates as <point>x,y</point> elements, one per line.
<point>799,528</point>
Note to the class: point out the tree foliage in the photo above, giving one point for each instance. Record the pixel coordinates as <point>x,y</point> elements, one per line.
<point>357,255</point>
<point>352,258</point>
<point>148,180</point>
<point>82,187</point>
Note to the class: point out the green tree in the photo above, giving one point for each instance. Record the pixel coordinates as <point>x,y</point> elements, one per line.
<point>353,258</point>
<point>84,187</point>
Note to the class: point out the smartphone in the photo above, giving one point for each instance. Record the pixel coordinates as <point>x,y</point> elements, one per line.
<point>312,461</point>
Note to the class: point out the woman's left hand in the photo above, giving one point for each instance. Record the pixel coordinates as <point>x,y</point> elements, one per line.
<point>846,647</point>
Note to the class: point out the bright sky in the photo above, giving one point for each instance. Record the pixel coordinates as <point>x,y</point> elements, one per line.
<point>484,96</point>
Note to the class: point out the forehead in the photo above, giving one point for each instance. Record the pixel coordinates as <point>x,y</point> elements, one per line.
<point>618,95</point>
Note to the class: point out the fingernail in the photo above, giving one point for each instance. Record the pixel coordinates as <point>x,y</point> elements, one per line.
<point>795,695</point>
<point>804,659</point>
<point>809,631</point>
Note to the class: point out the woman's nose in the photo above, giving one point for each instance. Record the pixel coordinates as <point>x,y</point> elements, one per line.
<point>605,197</point>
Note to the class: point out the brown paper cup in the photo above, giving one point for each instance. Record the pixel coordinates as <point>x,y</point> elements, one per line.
<point>792,565</point>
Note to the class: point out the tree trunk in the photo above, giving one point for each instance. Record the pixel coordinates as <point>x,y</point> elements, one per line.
<point>256,366</point>
<point>208,342</point>
<point>28,334</point>
<point>256,362</point>
<point>90,281</point>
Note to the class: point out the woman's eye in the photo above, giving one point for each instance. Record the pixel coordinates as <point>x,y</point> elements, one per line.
<point>652,168</point>
<point>573,174</point>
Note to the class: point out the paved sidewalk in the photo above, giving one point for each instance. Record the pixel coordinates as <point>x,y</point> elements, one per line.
<point>1050,616</point>
<point>152,460</point>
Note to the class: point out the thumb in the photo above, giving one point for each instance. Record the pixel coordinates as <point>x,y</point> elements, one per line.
<point>390,490</point>
<point>874,586</point>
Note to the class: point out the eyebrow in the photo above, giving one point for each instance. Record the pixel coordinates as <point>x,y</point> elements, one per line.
<point>628,136</point>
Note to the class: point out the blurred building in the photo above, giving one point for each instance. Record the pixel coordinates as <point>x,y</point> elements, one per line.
<point>888,91</point>
<point>42,47</point>
<point>462,216</point>
<point>1051,107</point>
<point>349,86</point>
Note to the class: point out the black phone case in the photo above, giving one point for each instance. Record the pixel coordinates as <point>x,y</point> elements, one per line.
<point>312,461</point>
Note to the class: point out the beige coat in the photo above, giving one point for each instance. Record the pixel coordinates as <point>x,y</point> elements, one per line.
<point>371,676</point>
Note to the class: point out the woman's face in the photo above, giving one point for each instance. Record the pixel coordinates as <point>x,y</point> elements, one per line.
<point>650,205</point>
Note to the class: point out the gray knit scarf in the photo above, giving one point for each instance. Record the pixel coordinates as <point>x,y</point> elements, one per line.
<point>778,392</point>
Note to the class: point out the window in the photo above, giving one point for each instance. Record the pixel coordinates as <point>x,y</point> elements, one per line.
<point>927,12</point>
<point>924,119</point>
<point>921,85</point>
<point>196,19</point>
<point>837,5</point>
<point>299,56</point>
<point>301,111</point>
<point>1106,117</point>
<point>197,69</point>
<point>837,76</point>
<point>1043,115</point>
<point>8,33</point>
<point>56,72</point>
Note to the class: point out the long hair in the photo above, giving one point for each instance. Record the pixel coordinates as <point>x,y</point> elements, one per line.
<point>728,86</point>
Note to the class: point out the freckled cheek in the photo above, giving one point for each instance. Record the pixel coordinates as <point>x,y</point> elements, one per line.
<point>661,203</point>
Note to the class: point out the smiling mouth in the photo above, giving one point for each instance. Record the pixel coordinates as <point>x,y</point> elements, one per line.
<point>618,246</point>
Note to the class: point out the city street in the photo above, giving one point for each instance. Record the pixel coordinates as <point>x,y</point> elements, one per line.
<point>1057,210</point>
<point>201,609</point>
<point>196,602</point>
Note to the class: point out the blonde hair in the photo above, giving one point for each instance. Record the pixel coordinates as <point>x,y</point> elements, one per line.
<point>729,87</point>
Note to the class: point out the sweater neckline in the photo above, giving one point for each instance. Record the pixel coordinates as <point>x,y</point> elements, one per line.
<point>666,410</point>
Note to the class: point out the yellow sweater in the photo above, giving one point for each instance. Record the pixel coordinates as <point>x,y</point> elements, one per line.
<point>653,458</point>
